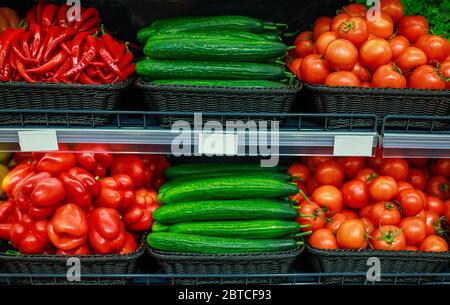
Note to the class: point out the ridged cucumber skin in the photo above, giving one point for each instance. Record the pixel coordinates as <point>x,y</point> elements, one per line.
<point>144,34</point>
<point>159,227</point>
<point>185,243</point>
<point>248,229</point>
<point>263,84</point>
<point>250,209</point>
<point>184,69</point>
<point>271,35</point>
<point>191,169</point>
<point>215,49</point>
<point>215,35</point>
<point>227,188</point>
<point>182,179</point>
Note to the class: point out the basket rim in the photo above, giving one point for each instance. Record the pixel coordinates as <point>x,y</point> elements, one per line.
<point>52,85</point>
<point>289,89</point>
<point>365,90</point>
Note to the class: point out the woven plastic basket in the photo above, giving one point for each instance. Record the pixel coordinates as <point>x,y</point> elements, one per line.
<point>257,263</point>
<point>57,265</point>
<point>60,96</point>
<point>382,102</point>
<point>174,98</point>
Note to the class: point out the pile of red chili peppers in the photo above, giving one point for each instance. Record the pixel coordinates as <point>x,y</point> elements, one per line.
<point>49,48</point>
<point>83,203</point>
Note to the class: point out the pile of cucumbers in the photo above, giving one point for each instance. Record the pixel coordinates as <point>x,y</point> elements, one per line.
<point>231,51</point>
<point>233,208</point>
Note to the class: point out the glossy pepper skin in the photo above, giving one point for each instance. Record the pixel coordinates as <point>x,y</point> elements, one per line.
<point>117,192</point>
<point>30,237</point>
<point>94,158</point>
<point>16,177</point>
<point>80,186</point>
<point>68,228</point>
<point>40,195</point>
<point>130,245</point>
<point>56,163</point>
<point>138,217</point>
<point>107,232</point>
<point>84,249</point>
<point>7,220</point>
<point>134,167</point>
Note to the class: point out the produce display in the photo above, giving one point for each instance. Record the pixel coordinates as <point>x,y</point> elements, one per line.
<point>230,51</point>
<point>374,203</point>
<point>222,209</point>
<point>392,51</point>
<point>81,203</point>
<point>50,48</point>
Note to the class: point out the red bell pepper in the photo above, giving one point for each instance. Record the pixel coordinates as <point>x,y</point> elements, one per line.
<point>84,249</point>
<point>6,211</point>
<point>134,167</point>
<point>107,232</point>
<point>81,187</point>
<point>20,157</point>
<point>68,228</point>
<point>94,158</point>
<point>130,245</point>
<point>30,237</point>
<point>56,163</point>
<point>138,217</point>
<point>40,195</point>
<point>117,192</point>
<point>16,177</point>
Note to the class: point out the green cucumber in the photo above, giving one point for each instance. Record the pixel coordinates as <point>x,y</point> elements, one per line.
<point>183,69</point>
<point>191,169</point>
<point>185,243</point>
<point>251,229</point>
<point>263,84</point>
<point>271,35</point>
<point>159,227</point>
<point>214,49</point>
<point>217,35</point>
<point>250,209</point>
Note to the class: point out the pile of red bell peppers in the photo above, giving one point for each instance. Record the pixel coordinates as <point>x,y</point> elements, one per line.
<point>50,48</point>
<point>88,202</point>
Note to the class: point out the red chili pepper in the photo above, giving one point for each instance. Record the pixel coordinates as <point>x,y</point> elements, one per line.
<point>23,72</point>
<point>6,44</point>
<point>57,40</point>
<point>87,57</point>
<point>12,60</point>
<point>63,69</point>
<point>37,38</point>
<point>50,65</point>
<point>65,48</point>
<point>76,45</point>
<point>131,69</point>
<point>107,58</point>
<point>91,71</point>
<point>98,64</point>
<point>87,14</point>
<point>52,32</point>
<point>61,16</point>
<point>39,11</point>
<point>24,44</point>
<point>103,77</point>
<point>85,79</point>
<point>126,60</point>
<point>48,15</point>
<point>31,16</point>
<point>22,58</point>
<point>91,23</point>
<point>111,45</point>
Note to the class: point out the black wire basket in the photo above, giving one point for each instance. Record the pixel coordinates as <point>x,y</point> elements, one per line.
<point>177,98</point>
<point>382,102</point>
<point>255,263</point>
<point>60,96</point>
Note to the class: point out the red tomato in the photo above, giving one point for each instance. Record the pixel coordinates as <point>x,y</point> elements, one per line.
<point>397,168</point>
<point>335,221</point>
<point>352,165</point>
<point>438,186</point>
<point>324,40</point>
<point>366,175</point>
<point>382,27</point>
<point>341,54</point>
<point>417,179</point>
<point>342,79</point>
<point>398,45</point>
<point>355,194</point>
<point>304,45</point>
<point>315,161</point>
<point>447,211</point>
<point>445,70</point>
<point>389,238</point>
<point>329,173</point>
<point>375,53</point>
<point>436,205</point>
<point>350,214</point>
<point>299,171</point>
<point>312,185</point>
<point>436,47</point>
<point>362,72</point>
<point>411,58</point>
<point>306,35</point>
<point>374,162</point>
<point>411,248</point>
<point>422,215</point>
<point>354,30</point>
<point>388,76</point>
<point>311,214</point>
<point>402,185</point>
<point>336,21</point>
<point>412,27</point>
<point>351,235</point>
<point>433,223</point>
<point>414,230</point>
<point>418,162</point>
<point>385,213</point>
<point>411,202</point>
<point>383,188</point>
<point>321,25</point>
<point>434,243</point>
<point>441,168</point>
<point>329,198</point>
<point>368,224</point>
<point>355,10</point>
<point>366,212</point>
<point>323,239</point>
<point>314,70</point>
<point>393,8</point>
<point>294,66</point>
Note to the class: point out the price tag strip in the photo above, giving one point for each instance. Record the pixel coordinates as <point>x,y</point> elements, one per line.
<point>353,146</point>
<point>218,144</point>
<point>38,140</point>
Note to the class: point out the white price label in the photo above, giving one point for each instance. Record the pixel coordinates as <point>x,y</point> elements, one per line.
<point>39,140</point>
<point>218,144</point>
<point>353,146</point>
